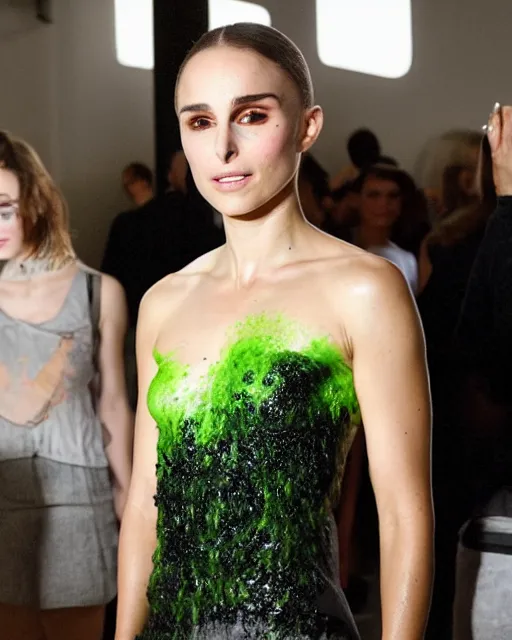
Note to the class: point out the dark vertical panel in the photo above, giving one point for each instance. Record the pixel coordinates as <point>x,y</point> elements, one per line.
<point>44,10</point>
<point>177,24</point>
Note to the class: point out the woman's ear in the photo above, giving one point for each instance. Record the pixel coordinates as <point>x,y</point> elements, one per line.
<point>313,123</point>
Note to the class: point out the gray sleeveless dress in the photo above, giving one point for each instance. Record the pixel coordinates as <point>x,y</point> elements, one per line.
<point>58,529</point>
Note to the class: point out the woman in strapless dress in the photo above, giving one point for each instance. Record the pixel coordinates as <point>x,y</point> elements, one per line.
<point>257,362</point>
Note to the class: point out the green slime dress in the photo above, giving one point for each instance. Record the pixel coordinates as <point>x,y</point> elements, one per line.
<point>249,466</point>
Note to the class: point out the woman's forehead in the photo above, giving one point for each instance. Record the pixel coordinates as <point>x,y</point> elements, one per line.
<point>221,74</point>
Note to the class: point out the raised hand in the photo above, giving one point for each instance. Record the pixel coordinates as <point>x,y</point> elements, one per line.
<point>499,132</point>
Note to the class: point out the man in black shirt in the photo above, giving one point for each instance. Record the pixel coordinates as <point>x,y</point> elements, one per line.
<point>161,237</point>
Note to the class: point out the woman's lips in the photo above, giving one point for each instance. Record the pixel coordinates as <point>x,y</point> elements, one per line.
<point>231,182</point>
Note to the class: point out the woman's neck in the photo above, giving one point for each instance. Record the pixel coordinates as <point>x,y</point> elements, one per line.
<point>367,236</point>
<point>28,267</point>
<point>262,241</point>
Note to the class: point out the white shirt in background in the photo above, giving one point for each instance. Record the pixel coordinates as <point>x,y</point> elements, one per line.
<point>402,259</point>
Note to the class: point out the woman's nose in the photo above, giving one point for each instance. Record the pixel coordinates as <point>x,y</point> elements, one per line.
<point>225,144</point>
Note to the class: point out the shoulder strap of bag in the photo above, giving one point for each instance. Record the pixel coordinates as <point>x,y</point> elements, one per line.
<point>94,296</point>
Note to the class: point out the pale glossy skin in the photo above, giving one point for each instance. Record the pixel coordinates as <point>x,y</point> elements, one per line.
<point>37,300</point>
<point>274,261</point>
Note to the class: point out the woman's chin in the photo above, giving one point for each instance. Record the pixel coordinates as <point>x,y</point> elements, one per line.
<point>238,209</point>
<point>6,255</point>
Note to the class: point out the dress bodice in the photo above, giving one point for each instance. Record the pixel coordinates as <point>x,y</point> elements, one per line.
<point>250,459</point>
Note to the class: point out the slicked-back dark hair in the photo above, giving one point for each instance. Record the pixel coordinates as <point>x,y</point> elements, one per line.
<point>267,42</point>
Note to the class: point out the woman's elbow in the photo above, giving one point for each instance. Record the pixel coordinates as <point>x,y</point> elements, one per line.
<point>408,520</point>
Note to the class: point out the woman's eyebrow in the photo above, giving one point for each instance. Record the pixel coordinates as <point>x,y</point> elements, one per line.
<point>255,97</point>
<point>236,102</point>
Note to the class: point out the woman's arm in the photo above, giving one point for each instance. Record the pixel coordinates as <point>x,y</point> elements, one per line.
<point>393,390</point>
<point>113,408</point>
<point>138,529</point>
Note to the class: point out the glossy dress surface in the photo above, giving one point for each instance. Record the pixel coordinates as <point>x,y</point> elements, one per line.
<point>250,460</point>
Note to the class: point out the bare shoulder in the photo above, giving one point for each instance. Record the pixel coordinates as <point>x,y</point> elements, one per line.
<point>111,288</point>
<point>355,277</point>
<point>164,296</point>
<point>178,284</point>
<point>367,277</point>
<point>109,285</point>
<point>355,271</point>
<point>113,299</point>
<point>375,308</point>
<point>202,265</point>
<point>370,291</point>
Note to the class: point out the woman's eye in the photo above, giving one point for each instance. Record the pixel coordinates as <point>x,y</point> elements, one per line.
<point>6,214</point>
<point>199,123</point>
<point>252,116</point>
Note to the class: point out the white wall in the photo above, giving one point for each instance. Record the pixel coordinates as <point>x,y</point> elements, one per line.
<point>85,114</point>
<point>63,90</point>
<point>27,78</point>
<point>106,118</point>
<point>461,67</point>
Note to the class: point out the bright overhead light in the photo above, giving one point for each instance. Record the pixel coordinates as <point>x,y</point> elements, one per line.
<point>223,12</point>
<point>134,33</point>
<point>134,26</point>
<point>367,36</point>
